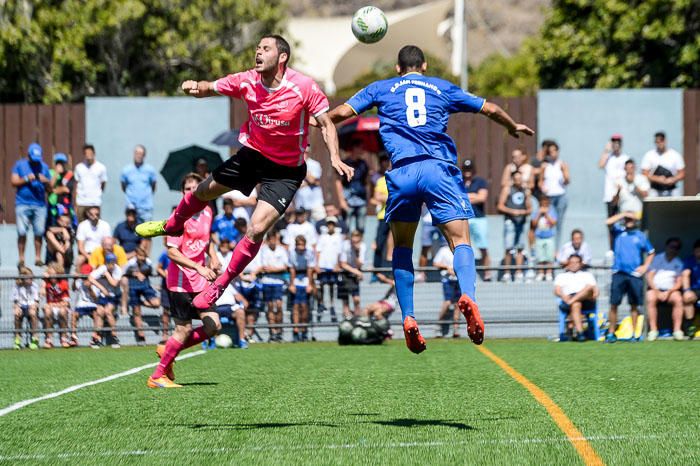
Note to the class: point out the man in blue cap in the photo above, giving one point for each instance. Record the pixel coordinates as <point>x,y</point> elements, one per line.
<point>30,176</point>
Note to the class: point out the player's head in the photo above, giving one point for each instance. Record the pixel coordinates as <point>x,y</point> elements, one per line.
<point>574,263</point>
<point>517,178</point>
<point>411,58</point>
<point>190,182</point>
<point>272,53</point>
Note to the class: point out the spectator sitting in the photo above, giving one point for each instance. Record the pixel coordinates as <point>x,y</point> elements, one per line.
<point>57,304</point>
<point>578,292</point>
<point>691,288</point>
<point>162,270</point>
<point>91,176</point>
<point>555,178</point>
<point>85,305</point>
<point>301,284</point>
<point>59,241</point>
<point>544,223</point>
<point>478,192</point>
<point>274,263</point>
<point>310,194</point>
<point>125,234</point>
<point>664,167</point>
<point>353,194</point>
<point>351,261</point>
<point>62,191</point>
<point>90,233</point>
<point>664,280</point>
<point>520,163</point>
<point>383,242</point>
<point>332,211</point>
<point>628,268</point>
<point>632,189</point>
<point>30,177</point>
<point>328,251</point>
<point>301,226</point>
<point>451,292</point>
<point>105,282</point>
<point>231,304</point>
<point>576,246</point>
<point>514,203</point>
<point>224,225</point>
<point>138,181</point>
<point>138,270</point>
<point>248,286</point>
<point>25,297</point>
<point>98,257</point>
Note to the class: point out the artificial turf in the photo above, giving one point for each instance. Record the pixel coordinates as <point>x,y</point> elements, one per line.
<point>324,404</point>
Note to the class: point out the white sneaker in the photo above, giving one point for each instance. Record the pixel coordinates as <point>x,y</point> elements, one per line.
<point>678,335</point>
<point>507,277</point>
<point>652,335</point>
<point>539,277</point>
<point>519,277</point>
<point>609,257</point>
<point>549,277</point>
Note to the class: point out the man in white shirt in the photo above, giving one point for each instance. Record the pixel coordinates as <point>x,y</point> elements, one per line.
<point>274,262</point>
<point>576,246</point>
<point>91,176</point>
<point>578,291</point>
<point>328,249</point>
<point>301,226</point>
<point>664,167</point>
<point>352,259</point>
<point>664,280</point>
<point>90,234</point>
<point>631,190</point>
<point>310,194</point>
<point>612,160</point>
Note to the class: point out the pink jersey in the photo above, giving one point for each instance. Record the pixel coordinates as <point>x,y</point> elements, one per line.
<point>192,244</point>
<point>278,119</point>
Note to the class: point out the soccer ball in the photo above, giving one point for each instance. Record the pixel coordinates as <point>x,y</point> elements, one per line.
<point>369,24</point>
<point>223,341</point>
<point>359,335</point>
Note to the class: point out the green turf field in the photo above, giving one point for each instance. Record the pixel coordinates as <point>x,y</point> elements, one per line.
<point>324,404</point>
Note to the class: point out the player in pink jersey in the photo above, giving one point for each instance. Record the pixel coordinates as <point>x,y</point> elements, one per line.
<point>280,103</point>
<point>187,276</point>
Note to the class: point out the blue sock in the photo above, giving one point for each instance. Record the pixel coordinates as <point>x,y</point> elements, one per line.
<point>402,265</point>
<point>465,269</point>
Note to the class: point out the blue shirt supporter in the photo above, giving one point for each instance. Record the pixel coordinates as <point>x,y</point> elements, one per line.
<point>425,102</point>
<point>692,264</point>
<point>34,192</point>
<point>628,247</point>
<point>477,183</point>
<point>138,182</point>
<point>224,226</point>
<point>126,235</point>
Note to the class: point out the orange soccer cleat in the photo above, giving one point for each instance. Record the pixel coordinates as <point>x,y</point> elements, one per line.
<point>169,372</point>
<point>475,326</point>
<point>162,382</point>
<point>414,340</point>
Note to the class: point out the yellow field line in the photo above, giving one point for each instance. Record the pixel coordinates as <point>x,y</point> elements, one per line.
<point>584,449</point>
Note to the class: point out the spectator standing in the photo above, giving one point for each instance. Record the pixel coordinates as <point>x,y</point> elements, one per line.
<point>555,178</point>
<point>577,246</point>
<point>351,261</point>
<point>60,239</point>
<point>664,167</point>
<point>353,194</point>
<point>631,190</point>
<point>665,282</point>
<point>628,269</point>
<point>383,242</point>
<point>612,160</point>
<point>310,194</point>
<point>520,162</point>
<point>138,271</point>
<point>444,260</point>
<point>514,203</point>
<point>691,288</point>
<point>478,192</point>
<point>301,285</point>
<point>328,251</point>
<point>578,291</point>
<point>224,225</point>
<point>125,234</point>
<point>301,226</point>
<point>31,177</point>
<point>25,298</point>
<point>242,205</point>
<point>60,199</point>
<point>91,176</point>
<point>274,262</point>
<point>544,222</point>
<point>138,181</point>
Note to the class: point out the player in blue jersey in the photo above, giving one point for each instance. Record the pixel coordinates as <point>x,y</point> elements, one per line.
<point>413,112</point>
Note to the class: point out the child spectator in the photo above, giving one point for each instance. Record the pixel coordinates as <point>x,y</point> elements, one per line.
<point>544,222</point>
<point>352,259</point>
<point>302,285</point>
<point>59,241</point>
<point>691,288</point>
<point>224,225</point>
<point>138,270</point>
<point>85,305</point>
<point>105,280</point>
<point>250,288</point>
<point>578,291</point>
<point>274,263</point>
<point>328,251</point>
<point>664,281</point>
<point>451,292</point>
<point>25,296</point>
<point>301,226</point>
<point>514,203</point>
<point>57,304</point>
<point>162,270</point>
<point>231,304</point>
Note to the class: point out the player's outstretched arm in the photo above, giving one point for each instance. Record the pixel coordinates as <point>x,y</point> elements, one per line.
<point>330,136</point>
<point>500,116</point>
<point>198,88</point>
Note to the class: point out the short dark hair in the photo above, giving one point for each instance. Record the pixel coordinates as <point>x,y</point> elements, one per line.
<point>547,143</point>
<point>88,146</point>
<point>240,222</point>
<point>696,244</point>
<point>188,177</point>
<point>674,239</point>
<point>630,161</point>
<point>282,45</point>
<point>660,134</point>
<point>410,57</point>
<point>576,230</point>
<point>577,256</point>
<point>228,201</point>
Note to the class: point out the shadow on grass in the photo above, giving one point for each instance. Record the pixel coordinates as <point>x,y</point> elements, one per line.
<point>256,425</point>
<point>423,422</point>
<point>199,384</point>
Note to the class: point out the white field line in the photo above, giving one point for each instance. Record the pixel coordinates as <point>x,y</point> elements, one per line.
<point>22,404</point>
<point>346,446</point>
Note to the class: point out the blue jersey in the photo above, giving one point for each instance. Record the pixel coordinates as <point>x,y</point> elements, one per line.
<point>413,114</point>
<point>693,265</point>
<point>629,246</point>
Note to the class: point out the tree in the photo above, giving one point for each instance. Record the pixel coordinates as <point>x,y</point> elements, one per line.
<point>506,76</point>
<point>56,51</point>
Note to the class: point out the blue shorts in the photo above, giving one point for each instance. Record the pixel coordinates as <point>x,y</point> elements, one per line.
<point>624,284</point>
<point>427,180</point>
<point>451,291</point>
<point>327,277</point>
<point>138,289</point>
<point>513,236</point>
<point>252,294</point>
<point>85,310</point>
<point>104,300</point>
<point>272,292</point>
<point>301,296</point>
<point>30,216</point>
<point>479,232</point>
<point>430,233</point>
<point>225,310</point>
<point>587,305</point>
<point>164,297</point>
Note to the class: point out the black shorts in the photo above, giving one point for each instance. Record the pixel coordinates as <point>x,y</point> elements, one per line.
<point>624,284</point>
<point>348,286</point>
<point>181,307</point>
<point>248,168</point>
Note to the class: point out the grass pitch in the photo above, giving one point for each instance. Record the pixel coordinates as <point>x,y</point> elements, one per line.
<point>324,404</point>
